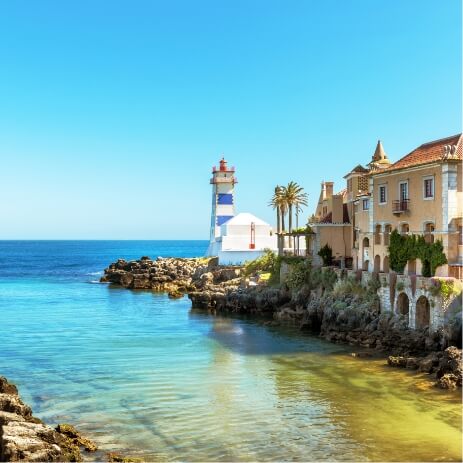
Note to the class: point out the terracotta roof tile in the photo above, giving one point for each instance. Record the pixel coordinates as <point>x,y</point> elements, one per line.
<point>428,153</point>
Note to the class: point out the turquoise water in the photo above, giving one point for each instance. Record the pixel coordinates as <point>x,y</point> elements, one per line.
<point>145,375</point>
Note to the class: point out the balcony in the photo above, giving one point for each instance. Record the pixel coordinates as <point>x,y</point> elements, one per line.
<point>400,205</point>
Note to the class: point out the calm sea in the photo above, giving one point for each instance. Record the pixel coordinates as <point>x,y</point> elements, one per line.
<point>145,375</point>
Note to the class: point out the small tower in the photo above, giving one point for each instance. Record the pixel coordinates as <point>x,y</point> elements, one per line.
<point>223,202</point>
<point>379,160</point>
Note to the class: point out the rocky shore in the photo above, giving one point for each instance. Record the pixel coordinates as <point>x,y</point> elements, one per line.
<point>342,313</point>
<point>176,276</point>
<point>24,437</point>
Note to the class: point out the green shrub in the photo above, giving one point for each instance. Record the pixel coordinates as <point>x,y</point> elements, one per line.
<point>403,248</point>
<point>326,253</point>
<point>265,263</point>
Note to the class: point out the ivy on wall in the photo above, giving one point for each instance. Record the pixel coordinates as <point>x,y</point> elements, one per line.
<point>403,248</point>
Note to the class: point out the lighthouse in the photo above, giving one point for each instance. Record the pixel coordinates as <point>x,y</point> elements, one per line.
<point>223,202</point>
<point>234,238</point>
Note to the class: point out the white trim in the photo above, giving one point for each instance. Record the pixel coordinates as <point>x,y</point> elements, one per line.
<point>429,177</point>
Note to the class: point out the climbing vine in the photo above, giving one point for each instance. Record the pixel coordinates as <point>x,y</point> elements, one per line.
<point>447,289</point>
<point>403,248</point>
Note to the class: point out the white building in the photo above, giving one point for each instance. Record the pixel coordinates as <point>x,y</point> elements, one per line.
<point>234,238</point>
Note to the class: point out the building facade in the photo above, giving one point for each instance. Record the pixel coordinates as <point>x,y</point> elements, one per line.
<point>420,194</point>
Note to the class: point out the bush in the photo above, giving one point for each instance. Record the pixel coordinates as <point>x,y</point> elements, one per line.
<point>403,248</point>
<point>299,274</point>
<point>326,253</point>
<point>265,263</point>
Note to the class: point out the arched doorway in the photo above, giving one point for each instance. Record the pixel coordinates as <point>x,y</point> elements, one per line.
<point>423,312</point>
<point>403,305</point>
<point>386,264</point>
<point>365,265</point>
<point>377,267</point>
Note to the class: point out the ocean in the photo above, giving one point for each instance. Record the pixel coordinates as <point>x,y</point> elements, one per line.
<point>147,376</point>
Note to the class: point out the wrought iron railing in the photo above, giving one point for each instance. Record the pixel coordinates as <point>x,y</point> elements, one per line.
<point>400,205</point>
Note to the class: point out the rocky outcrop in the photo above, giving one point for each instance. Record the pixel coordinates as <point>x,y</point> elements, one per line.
<point>26,438</point>
<point>175,276</point>
<point>351,319</point>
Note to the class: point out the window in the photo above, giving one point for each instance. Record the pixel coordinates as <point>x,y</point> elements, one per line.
<point>428,188</point>
<point>382,194</point>
<point>365,203</point>
<point>403,191</point>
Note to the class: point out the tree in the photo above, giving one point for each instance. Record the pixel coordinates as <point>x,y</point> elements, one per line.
<point>278,202</point>
<point>295,197</point>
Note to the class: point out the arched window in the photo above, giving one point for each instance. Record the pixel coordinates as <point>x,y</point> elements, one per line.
<point>378,234</point>
<point>429,232</point>
<point>387,232</point>
<point>404,228</point>
<point>377,267</point>
<point>386,264</point>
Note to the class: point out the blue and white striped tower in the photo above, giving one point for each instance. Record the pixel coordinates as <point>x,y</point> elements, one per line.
<point>223,202</point>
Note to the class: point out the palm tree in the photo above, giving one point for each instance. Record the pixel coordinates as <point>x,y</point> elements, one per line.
<point>278,202</point>
<point>295,197</point>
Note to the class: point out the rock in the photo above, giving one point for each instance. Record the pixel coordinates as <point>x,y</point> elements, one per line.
<point>412,363</point>
<point>400,362</point>
<point>364,354</point>
<point>24,441</point>
<point>117,457</point>
<point>24,437</point>
<point>450,364</point>
<point>174,294</point>
<point>76,438</point>
<point>13,404</point>
<point>6,387</point>
<point>448,381</point>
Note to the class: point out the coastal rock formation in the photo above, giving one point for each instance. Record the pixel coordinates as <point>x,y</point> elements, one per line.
<point>347,313</point>
<point>175,276</point>
<point>25,438</point>
<point>348,318</point>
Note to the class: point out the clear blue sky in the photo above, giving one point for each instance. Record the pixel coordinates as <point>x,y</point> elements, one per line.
<point>113,112</point>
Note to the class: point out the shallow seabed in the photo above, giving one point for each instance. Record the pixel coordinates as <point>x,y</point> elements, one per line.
<point>142,374</point>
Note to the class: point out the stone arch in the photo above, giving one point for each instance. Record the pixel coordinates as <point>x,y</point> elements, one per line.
<point>386,264</point>
<point>377,266</point>
<point>366,242</point>
<point>422,313</point>
<point>366,263</point>
<point>403,304</point>
<point>404,228</point>
<point>378,234</point>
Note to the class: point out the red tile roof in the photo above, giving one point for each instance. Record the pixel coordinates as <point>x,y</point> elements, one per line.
<point>428,153</point>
